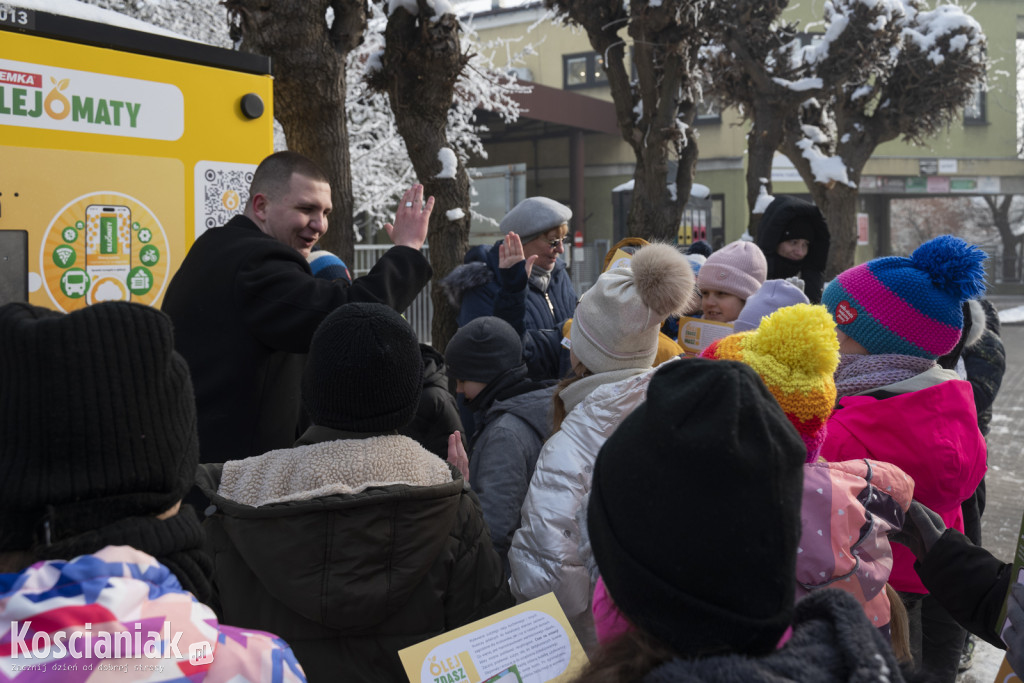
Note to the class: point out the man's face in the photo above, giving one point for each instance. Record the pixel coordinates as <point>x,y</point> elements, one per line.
<point>298,217</point>
<point>541,247</point>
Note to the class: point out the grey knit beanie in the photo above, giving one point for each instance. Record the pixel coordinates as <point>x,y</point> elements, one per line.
<point>534,216</point>
<point>482,349</point>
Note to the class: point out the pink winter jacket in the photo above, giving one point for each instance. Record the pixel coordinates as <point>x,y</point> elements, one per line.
<point>931,434</point>
<point>847,511</point>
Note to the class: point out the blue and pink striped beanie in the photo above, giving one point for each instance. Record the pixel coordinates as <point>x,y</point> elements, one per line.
<point>910,306</point>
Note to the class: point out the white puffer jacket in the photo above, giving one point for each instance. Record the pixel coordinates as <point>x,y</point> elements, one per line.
<point>546,555</point>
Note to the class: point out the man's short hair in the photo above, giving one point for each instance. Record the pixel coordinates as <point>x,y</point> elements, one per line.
<point>274,173</point>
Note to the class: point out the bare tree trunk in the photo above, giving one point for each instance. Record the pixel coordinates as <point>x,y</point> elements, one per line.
<point>1000,208</point>
<point>765,138</point>
<point>839,206</point>
<point>308,61</point>
<point>837,201</point>
<point>421,64</point>
<point>656,113</point>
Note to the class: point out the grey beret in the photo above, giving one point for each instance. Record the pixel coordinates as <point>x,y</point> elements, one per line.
<point>535,215</point>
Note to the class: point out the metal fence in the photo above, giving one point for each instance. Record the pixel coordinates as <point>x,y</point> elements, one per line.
<point>421,312</point>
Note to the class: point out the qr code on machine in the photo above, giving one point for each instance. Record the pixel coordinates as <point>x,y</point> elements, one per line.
<point>221,192</point>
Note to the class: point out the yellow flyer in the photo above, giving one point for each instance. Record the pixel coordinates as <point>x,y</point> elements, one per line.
<point>620,259</point>
<point>528,643</point>
<point>1006,674</point>
<point>696,334</point>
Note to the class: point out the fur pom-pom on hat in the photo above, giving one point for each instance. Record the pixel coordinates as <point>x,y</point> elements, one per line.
<point>662,281</point>
<point>795,351</point>
<point>617,320</point>
<point>909,306</point>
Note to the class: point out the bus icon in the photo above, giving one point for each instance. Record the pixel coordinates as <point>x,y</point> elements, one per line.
<point>74,283</point>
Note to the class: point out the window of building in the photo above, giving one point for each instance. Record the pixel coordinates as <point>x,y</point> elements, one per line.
<point>584,70</point>
<point>974,110</point>
<point>709,111</point>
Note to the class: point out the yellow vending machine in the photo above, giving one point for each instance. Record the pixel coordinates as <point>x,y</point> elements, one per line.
<point>117,149</point>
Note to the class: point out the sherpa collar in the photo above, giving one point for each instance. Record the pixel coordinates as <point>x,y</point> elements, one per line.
<point>326,468</point>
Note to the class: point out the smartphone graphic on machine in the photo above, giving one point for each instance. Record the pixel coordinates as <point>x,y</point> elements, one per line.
<point>108,251</point>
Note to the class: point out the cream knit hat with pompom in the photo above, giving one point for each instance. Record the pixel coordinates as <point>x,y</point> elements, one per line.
<point>617,320</point>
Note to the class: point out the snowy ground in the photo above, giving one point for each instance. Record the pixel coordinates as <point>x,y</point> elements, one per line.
<point>1012,315</point>
<point>1005,478</point>
<point>987,661</point>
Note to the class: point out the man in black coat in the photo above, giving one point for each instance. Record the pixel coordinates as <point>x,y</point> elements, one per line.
<point>245,303</point>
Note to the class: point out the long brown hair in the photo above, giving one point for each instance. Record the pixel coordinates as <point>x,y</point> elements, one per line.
<point>626,659</point>
<point>559,412</point>
<point>899,626</point>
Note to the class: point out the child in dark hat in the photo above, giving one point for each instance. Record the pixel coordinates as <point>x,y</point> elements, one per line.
<point>357,542</point>
<point>795,240</point>
<point>710,595</point>
<point>98,445</point>
<point>895,316</point>
<point>512,415</point>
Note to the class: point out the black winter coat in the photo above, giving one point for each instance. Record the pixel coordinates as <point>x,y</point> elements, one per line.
<point>437,414</point>
<point>985,361</point>
<point>244,308</point>
<point>348,580</point>
<point>780,214</point>
<point>477,288</point>
<point>969,582</point>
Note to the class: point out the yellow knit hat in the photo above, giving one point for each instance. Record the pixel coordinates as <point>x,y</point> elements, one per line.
<point>795,351</point>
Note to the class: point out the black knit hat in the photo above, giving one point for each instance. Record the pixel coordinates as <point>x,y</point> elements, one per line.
<point>482,349</point>
<point>364,372</point>
<point>694,513</point>
<point>97,420</point>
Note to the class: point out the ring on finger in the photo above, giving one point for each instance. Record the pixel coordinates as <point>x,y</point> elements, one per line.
<point>408,204</point>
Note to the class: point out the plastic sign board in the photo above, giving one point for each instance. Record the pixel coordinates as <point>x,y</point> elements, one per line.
<point>119,148</point>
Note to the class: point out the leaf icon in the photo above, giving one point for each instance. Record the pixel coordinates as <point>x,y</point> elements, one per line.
<point>63,83</point>
<point>53,80</point>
